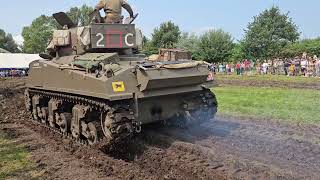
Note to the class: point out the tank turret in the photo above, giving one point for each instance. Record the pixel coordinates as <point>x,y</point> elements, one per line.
<point>94,38</point>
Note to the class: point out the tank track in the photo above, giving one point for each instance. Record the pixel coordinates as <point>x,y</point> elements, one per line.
<point>120,117</point>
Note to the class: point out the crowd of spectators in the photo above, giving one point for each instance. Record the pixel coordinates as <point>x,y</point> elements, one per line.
<point>13,73</point>
<point>305,66</point>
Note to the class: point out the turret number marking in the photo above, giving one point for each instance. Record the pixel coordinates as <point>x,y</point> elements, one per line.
<point>101,37</point>
<point>99,44</point>
<point>126,39</point>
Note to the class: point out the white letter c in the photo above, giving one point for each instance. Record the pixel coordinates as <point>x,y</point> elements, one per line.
<point>126,40</point>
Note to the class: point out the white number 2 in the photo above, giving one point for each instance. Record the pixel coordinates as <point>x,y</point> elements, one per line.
<point>100,40</point>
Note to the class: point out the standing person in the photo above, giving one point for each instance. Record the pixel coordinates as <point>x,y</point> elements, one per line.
<point>23,72</point>
<point>297,67</point>
<point>252,65</point>
<point>238,67</point>
<point>280,67</point>
<point>214,68</point>
<point>286,67</point>
<point>274,66</point>
<point>258,67</point>
<point>220,68</point>
<point>228,68</point>
<point>113,10</point>
<point>265,66</point>
<point>317,64</point>
<point>292,69</point>
<point>311,67</point>
<point>246,66</point>
<point>242,68</point>
<point>270,66</point>
<point>304,65</point>
<point>211,67</point>
<point>232,68</point>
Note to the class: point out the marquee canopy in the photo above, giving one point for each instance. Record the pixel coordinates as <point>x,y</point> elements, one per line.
<point>16,61</point>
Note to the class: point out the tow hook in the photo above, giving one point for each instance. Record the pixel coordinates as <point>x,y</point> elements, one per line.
<point>137,126</point>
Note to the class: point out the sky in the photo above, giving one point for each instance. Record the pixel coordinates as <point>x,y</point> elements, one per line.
<point>199,16</point>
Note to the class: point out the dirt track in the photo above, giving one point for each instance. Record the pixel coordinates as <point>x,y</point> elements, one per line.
<point>222,149</point>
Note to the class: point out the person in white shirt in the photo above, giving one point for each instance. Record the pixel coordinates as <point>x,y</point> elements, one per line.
<point>304,65</point>
<point>317,67</point>
<point>265,66</point>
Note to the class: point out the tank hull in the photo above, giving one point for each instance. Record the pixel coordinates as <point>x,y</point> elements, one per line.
<point>92,107</point>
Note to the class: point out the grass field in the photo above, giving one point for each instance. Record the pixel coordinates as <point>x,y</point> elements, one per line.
<point>13,158</point>
<point>282,78</point>
<point>295,105</point>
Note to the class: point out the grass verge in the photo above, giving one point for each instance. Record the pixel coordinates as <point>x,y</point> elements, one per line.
<point>13,158</point>
<point>295,105</point>
<point>278,78</point>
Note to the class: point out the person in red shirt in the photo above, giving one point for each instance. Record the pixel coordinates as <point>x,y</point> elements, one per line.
<point>246,66</point>
<point>238,68</point>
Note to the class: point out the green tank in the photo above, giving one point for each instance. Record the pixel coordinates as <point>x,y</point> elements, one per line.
<point>93,85</point>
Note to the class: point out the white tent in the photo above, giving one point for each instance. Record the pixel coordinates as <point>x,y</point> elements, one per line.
<point>17,61</point>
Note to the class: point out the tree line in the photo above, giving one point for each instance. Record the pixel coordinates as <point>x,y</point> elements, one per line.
<point>7,42</point>
<point>271,34</point>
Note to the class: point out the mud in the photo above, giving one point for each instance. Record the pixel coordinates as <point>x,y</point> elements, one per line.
<point>225,148</point>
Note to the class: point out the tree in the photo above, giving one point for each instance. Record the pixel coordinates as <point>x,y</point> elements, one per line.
<point>7,42</point>
<point>80,16</point>
<point>215,46</point>
<point>148,48</point>
<point>310,46</point>
<point>237,53</point>
<point>189,42</point>
<point>166,36</point>
<point>269,33</point>
<point>39,33</point>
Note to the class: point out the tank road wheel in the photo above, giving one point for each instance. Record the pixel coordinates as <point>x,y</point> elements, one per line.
<point>74,130</point>
<point>35,107</point>
<point>78,113</point>
<point>43,114</point>
<point>53,107</point>
<point>64,122</point>
<point>93,134</point>
<point>107,125</point>
<point>39,113</point>
<point>53,119</point>
<point>27,100</point>
<point>89,131</point>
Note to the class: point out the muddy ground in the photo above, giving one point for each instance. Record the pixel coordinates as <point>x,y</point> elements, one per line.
<point>225,148</point>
